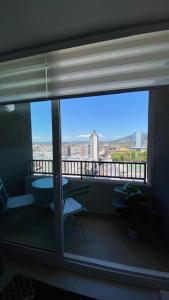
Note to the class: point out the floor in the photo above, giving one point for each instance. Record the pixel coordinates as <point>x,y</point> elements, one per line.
<point>89,286</point>
<point>107,238</point>
<point>22,287</point>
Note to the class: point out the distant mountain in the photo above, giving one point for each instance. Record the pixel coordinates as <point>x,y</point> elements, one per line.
<point>130,140</point>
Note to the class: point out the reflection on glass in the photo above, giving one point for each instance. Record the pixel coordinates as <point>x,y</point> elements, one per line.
<point>26,217</point>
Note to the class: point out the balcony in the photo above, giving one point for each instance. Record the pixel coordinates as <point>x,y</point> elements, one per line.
<point>107,232</point>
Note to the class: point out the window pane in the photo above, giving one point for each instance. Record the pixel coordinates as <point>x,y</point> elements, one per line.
<point>26,175</point>
<point>104,147</point>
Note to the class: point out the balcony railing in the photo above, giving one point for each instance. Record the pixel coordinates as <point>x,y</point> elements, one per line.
<point>121,170</point>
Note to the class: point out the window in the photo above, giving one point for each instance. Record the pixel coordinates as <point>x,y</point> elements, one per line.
<point>129,63</point>
<point>105,136</point>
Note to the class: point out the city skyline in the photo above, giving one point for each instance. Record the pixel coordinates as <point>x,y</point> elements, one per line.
<point>93,150</point>
<point>86,141</point>
<point>112,116</point>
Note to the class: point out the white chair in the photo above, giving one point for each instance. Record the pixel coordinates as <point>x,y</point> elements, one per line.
<point>71,206</point>
<point>8,203</point>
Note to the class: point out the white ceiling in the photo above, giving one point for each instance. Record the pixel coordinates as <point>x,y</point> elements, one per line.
<point>28,24</point>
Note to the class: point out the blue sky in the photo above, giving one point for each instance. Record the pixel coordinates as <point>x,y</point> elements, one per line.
<point>112,116</point>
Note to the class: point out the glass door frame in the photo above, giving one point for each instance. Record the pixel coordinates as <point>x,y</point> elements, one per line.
<point>57,184</point>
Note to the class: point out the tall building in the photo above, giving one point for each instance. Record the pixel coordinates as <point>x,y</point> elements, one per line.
<point>66,150</point>
<point>94,146</point>
<point>138,139</point>
<point>85,150</point>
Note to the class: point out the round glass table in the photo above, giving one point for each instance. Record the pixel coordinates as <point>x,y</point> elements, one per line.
<point>47,183</point>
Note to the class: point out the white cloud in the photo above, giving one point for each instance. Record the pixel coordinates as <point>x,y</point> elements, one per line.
<point>116,137</point>
<point>86,135</point>
<point>49,138</point>
<point>67,137</point>
<point>83,136</point>
<point>42,139</point>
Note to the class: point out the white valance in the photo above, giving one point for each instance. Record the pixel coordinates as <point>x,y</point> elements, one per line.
<point>131,62</point>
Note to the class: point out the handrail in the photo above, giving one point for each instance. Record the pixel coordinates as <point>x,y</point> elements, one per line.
<point>83,168</point>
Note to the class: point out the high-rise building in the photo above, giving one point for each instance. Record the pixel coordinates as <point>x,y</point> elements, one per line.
<point>66,150</point>
<point>138,139</point>
<point>85,150</point>
<point>94,146</point>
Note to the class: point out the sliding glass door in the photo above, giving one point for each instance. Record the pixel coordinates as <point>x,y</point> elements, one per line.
<point>26,173</point>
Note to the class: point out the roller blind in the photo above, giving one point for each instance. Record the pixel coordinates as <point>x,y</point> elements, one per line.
<point>23,78</point>
<point>124,63</point>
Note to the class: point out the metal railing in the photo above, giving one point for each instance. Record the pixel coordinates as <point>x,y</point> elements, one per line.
<point>110,169</point>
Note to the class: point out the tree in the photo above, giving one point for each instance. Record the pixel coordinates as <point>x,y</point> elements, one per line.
<point>129,156</point>
<point>116,156</point>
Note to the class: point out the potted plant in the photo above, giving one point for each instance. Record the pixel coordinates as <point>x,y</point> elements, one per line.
<point>139,208</point>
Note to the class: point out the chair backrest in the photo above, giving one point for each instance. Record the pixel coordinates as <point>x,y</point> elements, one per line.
<point>3,196</point>
<point>76,193</point>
